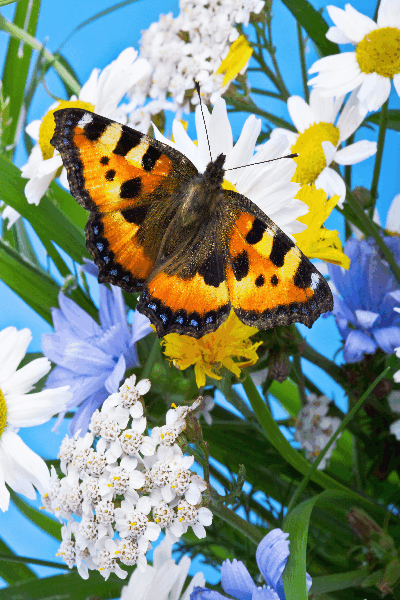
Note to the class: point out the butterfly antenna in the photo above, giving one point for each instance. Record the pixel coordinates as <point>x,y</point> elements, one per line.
<point>264,161</point>
<point>196,83</point>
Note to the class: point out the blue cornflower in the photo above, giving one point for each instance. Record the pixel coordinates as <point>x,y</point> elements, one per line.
<point>369,292</point>
<point>271,556</point>
<point>91,358</point>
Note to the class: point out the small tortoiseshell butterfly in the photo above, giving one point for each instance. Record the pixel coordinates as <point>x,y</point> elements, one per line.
<point>193,249</point>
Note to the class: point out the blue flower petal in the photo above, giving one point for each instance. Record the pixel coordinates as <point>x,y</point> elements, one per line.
<point>264,594</point>
<point>357,344</point>
<point>236,580</point>
<point>387,338</point>
<point>366,318</point>
<point>80,322</point>
<point>200,593</point>
<point>81,419</point>
<point>271,556</point>
<point>113,380</point>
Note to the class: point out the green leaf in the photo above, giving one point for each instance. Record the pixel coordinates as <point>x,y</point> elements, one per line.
<point>47,218</point>
<point>393,119</point>
<point>31,284</point>
<point>5,2</point>
<point>17,63</point>
<point>69,89</point>
<point>338,581</point>
<point>47,524</point>
<point>21,35</point>
<point>13,572</point>
<point>292,456</point>
<point>70,586</point>
<point>314,24</point>
<point>296,525</point>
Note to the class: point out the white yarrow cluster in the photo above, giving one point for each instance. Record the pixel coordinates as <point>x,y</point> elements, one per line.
<point>193,46</point>
<point>121,487</point>
<point>314,428</point>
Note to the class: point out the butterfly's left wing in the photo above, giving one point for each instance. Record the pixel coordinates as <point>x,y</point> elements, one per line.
<point>270,281</point>
<point>126,180</point>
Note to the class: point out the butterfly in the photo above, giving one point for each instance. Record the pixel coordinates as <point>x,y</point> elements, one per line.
<point>193,249</point>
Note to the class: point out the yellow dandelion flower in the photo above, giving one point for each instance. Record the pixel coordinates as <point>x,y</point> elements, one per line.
<point>316,241</point>
<point>238,56</point>
<point>214,350</point>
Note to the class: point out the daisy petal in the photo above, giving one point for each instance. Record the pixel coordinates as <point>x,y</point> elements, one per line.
<point>332,183</point>
<point>13,346</point>
<point>355,153</point>
<point>300,113</point>
<point>396,83</point>
<point>23,380</point>
<point>351,116</point>
<point>336,35</point>
<point>393,215</point>
<point>354,24</point>
<point>374,91</point>
<point>389,14</point>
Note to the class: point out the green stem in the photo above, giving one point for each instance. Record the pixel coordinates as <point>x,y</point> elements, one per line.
<point>300,378</point>
<point>378,156</point>
<point>303,63</point>
<point>33,561</point>
<point>300,489</point>
<point>373,231</point>
<point>266,93</point>
<point>272,50</point>
<point>150,359</point>
<point>252,532</point>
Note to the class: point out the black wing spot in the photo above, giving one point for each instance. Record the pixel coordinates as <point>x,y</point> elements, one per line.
<point>240,265</point>
<point>135,215</point>
<point>274,280</point>
<point>260,281</point>
<point>280,247</point>
<point>212,270</point>
<point>302,279</point>
<point>129,139</point>
<point>131,188</point>
<point>94,129</point>
<point>256,232</point>
<point>150,157</point>
<point>110,175</point>
<point>104,160</point>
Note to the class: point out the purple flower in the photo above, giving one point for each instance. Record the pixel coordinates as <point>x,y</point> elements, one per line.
<point>368,292</point>
<point>92,358</point>
<point>272,554</point>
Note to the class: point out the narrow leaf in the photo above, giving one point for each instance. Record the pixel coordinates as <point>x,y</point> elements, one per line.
<point>21,35</point>
<point>393,119</point>
<point>17,64</point>
<point>13,572</point>
<point>314,24</point>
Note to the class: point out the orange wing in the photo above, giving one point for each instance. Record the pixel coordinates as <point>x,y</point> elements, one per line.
<point>123,178</point>
<point>270,281</point>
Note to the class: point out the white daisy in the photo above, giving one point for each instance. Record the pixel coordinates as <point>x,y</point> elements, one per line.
<point>164,580</point>
<point>20,467</point>
<point>318,140</point>
<point>268,185</point>
<point>101,94</point>
<point>375,61</point>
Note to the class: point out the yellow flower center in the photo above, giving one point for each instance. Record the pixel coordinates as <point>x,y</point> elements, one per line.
<point>379,52</point>
<point>48,125</point>
<point>311,160</point>
<point>3,413</point>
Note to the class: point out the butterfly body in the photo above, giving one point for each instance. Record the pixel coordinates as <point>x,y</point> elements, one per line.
<point>192,248</point>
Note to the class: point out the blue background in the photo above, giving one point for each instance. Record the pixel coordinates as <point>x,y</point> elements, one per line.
<point>97,45</point>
